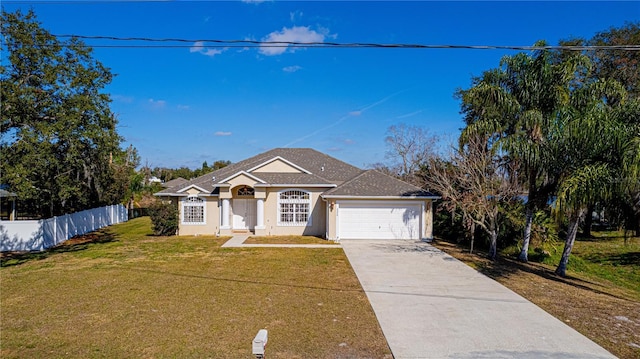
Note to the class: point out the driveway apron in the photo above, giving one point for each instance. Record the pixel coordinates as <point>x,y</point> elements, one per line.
<point>430,305</point>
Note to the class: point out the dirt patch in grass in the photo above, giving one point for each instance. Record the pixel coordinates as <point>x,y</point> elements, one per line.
<point>287,240</point>
<point>607,314</point>
<point>140,296</point>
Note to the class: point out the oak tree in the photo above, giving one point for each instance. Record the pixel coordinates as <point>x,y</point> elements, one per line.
<point>59,137</point>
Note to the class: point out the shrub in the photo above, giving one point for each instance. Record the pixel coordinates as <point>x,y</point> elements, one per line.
<point>164,218</point>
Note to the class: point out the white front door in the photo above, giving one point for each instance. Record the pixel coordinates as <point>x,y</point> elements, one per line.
<point>244,213</point>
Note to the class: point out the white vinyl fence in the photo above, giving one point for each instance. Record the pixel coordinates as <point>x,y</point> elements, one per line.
<point>42,234</point>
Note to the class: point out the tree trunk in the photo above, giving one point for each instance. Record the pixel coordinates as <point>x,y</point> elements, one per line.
<point>588,220</point>
<point>493,246</point>
<point>572,231</point>
<point>473,236</point>
<point>524,253</point>
<point>625,234</point>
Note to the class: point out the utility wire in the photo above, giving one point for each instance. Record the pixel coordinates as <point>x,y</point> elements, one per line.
<point>216,43</point>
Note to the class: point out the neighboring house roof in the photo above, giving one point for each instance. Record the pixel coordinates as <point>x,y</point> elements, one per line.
<point>372,183</point>
<point>4,193</point>
<point>174,182</point>
<point>315,169</point>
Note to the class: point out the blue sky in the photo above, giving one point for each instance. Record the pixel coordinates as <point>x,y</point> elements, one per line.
<point>184,105</point>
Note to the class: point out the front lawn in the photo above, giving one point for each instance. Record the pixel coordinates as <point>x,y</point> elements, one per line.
<point>122,293</point>
<point>287,240</point>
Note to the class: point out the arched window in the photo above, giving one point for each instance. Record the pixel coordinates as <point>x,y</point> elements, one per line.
<point>245,191</point>
<point>294,208</point>
<point>193,211</point>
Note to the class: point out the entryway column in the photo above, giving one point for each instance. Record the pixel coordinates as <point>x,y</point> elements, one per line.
<point>260,213</point>
<point>225,214</point>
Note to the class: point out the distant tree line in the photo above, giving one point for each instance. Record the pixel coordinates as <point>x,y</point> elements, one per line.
<point>166,174</point>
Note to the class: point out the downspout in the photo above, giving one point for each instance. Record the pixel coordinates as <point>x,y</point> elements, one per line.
<point>326,206</point>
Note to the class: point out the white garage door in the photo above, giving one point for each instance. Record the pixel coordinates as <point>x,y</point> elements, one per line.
<point>379,220</point>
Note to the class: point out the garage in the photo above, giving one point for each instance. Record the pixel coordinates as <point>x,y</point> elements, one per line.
<point>379,220</point>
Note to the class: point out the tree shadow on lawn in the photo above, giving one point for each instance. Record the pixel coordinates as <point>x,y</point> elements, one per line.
<point>505,267</point>
<point>75,244</point>
<point>622,259</point>
<point>605,238</point>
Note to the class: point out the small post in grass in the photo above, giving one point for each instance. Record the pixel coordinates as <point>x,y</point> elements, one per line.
<point>259,343</point>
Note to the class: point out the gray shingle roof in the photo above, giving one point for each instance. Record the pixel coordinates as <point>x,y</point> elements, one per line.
<point>174,182</point>
<point>372,183</point>
<point>325,170</point>
<point>292,178</point>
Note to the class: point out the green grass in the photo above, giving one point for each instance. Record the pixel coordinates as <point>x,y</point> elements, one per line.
<point>125,293</point>
<point>287,240</point>
<point>604,257</point>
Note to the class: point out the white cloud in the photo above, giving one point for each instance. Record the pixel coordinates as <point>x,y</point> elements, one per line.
<point>253,1</point>
<point>183,107</point>
<point>199,47</point>
<point>355,113</point>
<point>222,133</point>
<point>157,104</point>
<point>292,68</point>
<point>295,34</point>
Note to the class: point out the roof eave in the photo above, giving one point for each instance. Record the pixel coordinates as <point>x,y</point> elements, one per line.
<point>378,197</point>
<point>184,195</point>
<point>192,186</point>
<point>170,194</point>
<point>240,173</point>
<point>315,185</point>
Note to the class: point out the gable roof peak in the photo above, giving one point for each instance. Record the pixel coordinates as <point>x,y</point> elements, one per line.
<point>279,158</point>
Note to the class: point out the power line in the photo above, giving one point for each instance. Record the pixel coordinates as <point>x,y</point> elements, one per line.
<point>217,43</point>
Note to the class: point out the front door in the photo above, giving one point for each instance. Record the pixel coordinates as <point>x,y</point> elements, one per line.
<point>244,213</point>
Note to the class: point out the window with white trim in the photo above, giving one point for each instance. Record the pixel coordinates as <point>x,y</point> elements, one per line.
<point>294,208</point>
<point>193,211</point>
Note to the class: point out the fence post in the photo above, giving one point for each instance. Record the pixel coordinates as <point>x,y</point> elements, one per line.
<point>55,230</point>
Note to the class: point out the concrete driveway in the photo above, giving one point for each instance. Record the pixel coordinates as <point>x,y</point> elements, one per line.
<point>430,305</point>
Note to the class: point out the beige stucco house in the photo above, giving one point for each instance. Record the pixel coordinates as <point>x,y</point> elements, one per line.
<point>300,191</point>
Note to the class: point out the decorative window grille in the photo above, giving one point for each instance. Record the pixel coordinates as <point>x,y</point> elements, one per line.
<point>246,191</point>
<point>193,211</point>
<point>294,208</point>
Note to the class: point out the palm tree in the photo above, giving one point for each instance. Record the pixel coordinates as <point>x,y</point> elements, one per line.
<point>600,155</point>
<point>517,105</point>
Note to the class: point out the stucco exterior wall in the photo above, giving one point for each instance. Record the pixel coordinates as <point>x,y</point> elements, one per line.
<point>332,211</point>
<point>318,215</point>
<point>241,180</point>
<point>212,215</point>
<point>428,219</point>
<point>277,166</point>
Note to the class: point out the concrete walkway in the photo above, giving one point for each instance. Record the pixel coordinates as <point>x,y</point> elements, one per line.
<point>430,305</point>
<point>238,241</point>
